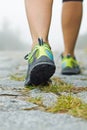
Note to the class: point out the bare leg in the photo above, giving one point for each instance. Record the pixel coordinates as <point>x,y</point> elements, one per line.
<point>40,61</point>
<point>71,20</point>
<point>39,17</point>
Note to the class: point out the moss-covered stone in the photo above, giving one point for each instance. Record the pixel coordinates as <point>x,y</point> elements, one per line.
<point>57,86</point>
<point>65,104</point>
<point>80,111</point>
<point>37,100</point>
<point>71,105</point>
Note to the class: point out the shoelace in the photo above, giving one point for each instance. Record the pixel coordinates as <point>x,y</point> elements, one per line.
<point>26,56</point>
<point>40,41</point>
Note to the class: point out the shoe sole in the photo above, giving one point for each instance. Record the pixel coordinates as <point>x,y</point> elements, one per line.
<point>41,73</point>
<point>71,72</point>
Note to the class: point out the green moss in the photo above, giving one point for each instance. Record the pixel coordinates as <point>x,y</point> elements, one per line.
<point>71,105</point>
<point>65,104</point>
<point>83,79</point>
<point>80,111</point>
<point>17,77</point>
<point>37,100</point>
<point>57,89</point>
<point>57,86</point>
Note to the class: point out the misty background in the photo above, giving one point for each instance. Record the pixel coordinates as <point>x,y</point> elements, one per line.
<point>15,33</point>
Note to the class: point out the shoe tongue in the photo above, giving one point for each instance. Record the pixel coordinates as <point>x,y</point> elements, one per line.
<point>68,56</point>
<point>40,41</point>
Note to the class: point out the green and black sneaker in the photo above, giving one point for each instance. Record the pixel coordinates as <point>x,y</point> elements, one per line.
<point>40,64</point>
<point>69,65</point>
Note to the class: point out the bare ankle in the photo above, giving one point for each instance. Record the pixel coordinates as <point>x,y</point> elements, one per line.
<point>35,42</point>
<point>66,53</point>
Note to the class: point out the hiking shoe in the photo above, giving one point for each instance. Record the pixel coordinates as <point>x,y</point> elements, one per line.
<point>69,65</point>
<point>40,64</point>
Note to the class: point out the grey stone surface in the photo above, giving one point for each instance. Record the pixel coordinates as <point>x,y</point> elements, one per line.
<point>16,113</point>
<point>37,120</point>
<point>6,83</point>
<point>82,96</point>
<point>12,104</point>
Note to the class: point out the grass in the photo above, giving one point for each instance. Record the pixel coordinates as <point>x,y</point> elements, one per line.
<point>17,77</point>
<point>71,105</point>
<point>65,104</point>
<point>80,111</point>
<point>37,101</point>
<point>57,86</point>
